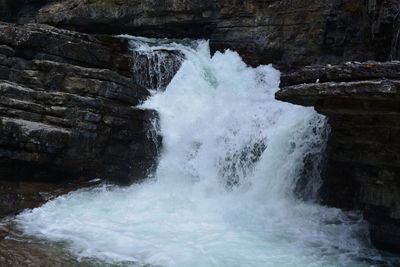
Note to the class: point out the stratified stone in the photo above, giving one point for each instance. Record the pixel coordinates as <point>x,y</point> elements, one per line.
<point>283,32</point>
<point>67,107</point>
<point>362,102</point>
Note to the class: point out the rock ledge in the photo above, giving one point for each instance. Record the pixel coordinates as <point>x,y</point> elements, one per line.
<point>67,107</point>
<point>362,102</point>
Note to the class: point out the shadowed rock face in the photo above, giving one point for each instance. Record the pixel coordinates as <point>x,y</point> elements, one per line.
<point>283,32</point>
<point>66,107</point>
<point>362,102</point>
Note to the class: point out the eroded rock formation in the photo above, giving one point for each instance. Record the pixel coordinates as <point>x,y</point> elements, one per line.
<point>362,102</point>
<point>284,32</point>
<point>66,107</point>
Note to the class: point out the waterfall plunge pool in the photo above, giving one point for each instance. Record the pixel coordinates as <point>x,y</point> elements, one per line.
<point>225,192</point>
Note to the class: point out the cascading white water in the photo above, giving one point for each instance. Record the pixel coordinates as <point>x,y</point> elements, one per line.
<point>155,61</point>
<point>223,193</point>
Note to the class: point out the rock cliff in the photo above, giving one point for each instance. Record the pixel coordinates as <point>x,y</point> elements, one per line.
<point>362,102</point>
<point>66,107</point>
<point>284,32</point>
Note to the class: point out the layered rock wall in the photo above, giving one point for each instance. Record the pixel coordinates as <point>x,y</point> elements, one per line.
<point>362,102</point>
<point>283,32</point>
<point>67,107</point>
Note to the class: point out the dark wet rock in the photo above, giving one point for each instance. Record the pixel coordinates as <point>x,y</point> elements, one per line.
<point>346,72</point>
<point>67,107</point>
<point>16,196</point>
<point>42,42</point>
<point>283,32</point>
<point>362,102</point>
<point>17,250</point>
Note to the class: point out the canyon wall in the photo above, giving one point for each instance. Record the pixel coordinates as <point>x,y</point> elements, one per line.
<point>362,103</point>
<point>284,32</point>
<point>67,112</point>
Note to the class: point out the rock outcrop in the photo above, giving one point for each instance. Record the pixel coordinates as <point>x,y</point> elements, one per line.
<point>283,32</point>
<point>362,102</point>
<point>67,107</point>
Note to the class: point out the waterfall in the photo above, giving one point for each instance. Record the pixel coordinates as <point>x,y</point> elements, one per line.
<point>226,191</point>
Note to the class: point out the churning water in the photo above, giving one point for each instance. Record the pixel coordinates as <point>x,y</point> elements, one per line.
<point>224,190</point>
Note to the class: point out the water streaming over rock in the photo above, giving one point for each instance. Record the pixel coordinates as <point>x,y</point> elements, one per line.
<point>155,61</point>
<point>224,190</point>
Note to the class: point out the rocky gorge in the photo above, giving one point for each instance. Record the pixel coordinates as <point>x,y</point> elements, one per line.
<point>67,92</point>
<point>66,108</point>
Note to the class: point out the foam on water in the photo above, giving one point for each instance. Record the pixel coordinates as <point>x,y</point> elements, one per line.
<point>224,188</point>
